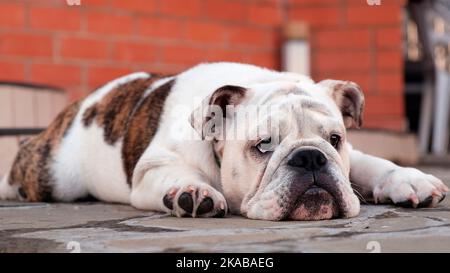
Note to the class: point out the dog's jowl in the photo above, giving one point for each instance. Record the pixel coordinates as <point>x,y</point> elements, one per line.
<point>217,138</point>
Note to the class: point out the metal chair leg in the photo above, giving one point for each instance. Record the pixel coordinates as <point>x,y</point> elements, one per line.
<point>441,113</point>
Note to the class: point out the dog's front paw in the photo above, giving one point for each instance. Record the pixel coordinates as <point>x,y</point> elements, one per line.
<point>200,200</point>
<point>409,187</point>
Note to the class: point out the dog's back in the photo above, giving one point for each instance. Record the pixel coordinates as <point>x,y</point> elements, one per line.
<point>81,152</point>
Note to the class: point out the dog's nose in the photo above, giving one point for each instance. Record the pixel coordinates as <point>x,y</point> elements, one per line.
<point>309,159</point>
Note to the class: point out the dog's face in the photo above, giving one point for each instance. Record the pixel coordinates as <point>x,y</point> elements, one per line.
<point>290,160</point>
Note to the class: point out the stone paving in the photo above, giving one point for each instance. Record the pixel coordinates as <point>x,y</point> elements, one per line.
<point>98,227</point>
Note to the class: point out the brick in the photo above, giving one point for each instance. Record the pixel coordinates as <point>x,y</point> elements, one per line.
<point>107,23</point>
<point>373,15</point>
<point>95,3</point>
<point>141,6</point>
<point>225,55</point>
<point>389,37</point>
<point>316,17</point>
<point>248,36</point>
<point>136,52</point>
<point>390,83</point>
<point>99,76</point>
<point>182,54</point>
<point>314,2</point>
<point>83,48</point>
<point>191,8</point>
<point>265,15</point>
<point>343,60</point>
<point>386,122</point>
<point>63,3</point>
<point>384,105</point>
<point>342,39</point>
<point>390,60</point>
<point>264,59</point>
<point>268,2</point>
<point>160,28</point>
<point>226,10</point>
<point>51,18</point>
<point>20,45</point>
<point>11,71</point>
<point>56,74</point>
<point>12,15</point>
<point>205,32</point>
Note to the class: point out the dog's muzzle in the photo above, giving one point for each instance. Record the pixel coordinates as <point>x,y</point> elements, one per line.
<point>318,196</point>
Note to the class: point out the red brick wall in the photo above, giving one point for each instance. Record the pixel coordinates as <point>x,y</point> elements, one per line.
<point>81,47</point>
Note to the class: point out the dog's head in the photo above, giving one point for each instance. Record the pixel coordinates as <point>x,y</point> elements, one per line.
<point>282,147</point>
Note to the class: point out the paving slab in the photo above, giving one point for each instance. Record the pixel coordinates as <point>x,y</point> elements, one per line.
<point>99,227</point>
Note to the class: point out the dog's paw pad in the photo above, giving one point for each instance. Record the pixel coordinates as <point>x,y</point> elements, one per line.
<point>186,202</point>
<point>426,203</point>
<point>207,205</point>
<point>168,198</point>
<point>442,197</point>
<point>221,212</point>
<point>195,201</point>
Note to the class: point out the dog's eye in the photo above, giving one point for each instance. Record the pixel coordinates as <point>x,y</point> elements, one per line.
<point>335,140</point>
<point>265,145</point>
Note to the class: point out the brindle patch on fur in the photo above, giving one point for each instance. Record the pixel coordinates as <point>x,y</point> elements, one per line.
<point>31,168</point>
<point>89,115</point>
<point>143,126</point>
<point>114,111</point>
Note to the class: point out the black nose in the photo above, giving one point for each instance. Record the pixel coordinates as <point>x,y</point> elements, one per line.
<point>309,159</point>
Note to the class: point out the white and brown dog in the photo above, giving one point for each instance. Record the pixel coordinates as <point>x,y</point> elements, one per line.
<point>131,142</point>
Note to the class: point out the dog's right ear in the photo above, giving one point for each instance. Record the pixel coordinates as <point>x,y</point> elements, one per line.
<point>209,118</point>
<point>349,97</point>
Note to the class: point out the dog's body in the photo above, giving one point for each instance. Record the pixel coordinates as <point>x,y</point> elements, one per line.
<point>131,142</point>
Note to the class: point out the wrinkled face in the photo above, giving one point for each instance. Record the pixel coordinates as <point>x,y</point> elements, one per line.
<point>293,162</point>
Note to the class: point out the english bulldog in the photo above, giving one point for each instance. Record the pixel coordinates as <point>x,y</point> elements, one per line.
<point>179,145</point>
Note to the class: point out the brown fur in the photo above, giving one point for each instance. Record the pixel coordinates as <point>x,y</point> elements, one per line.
<point>122,113</point>
<point>89,115</point>
<point>143,126</point>
<point>115,109</point>
<point>32,163</point>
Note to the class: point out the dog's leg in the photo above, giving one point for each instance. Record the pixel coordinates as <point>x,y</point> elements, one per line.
<point>382,181</point>
<point>178,190</point>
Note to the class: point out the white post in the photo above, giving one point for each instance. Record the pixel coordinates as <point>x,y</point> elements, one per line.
<point>441,113</point>
<point>295,52</point>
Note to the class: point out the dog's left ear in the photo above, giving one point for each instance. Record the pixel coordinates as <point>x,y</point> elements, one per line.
<point>209,118</point>
<point>349,98</point>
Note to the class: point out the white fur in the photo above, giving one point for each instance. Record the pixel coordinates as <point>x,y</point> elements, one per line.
<point>191,87</point>
<point>85,164</point>
<point>385,181</point>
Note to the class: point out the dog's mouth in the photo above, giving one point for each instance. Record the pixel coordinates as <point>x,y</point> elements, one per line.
<point>315,204</point>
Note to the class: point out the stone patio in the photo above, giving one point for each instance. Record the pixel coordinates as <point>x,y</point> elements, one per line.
<point>98,227</point>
